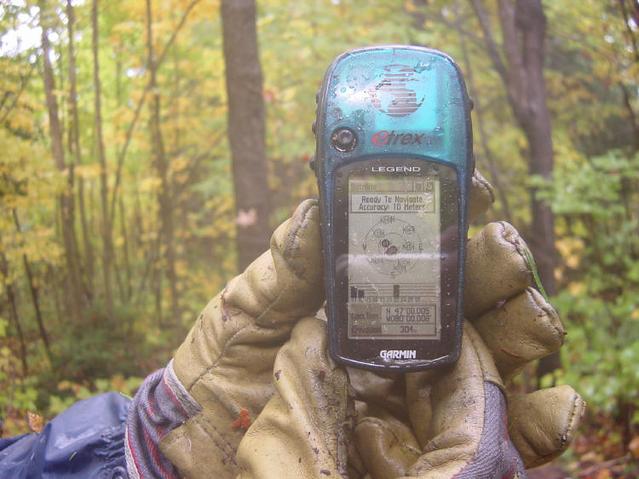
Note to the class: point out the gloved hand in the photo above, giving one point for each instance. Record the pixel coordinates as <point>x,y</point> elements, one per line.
<point>225,366</point>
<point>437,424</point>
<point>428,423</point>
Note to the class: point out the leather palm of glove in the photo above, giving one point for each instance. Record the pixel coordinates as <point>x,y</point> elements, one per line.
<point>272,404</point>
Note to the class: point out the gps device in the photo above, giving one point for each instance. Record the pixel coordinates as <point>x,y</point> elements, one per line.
<point>393,163</point>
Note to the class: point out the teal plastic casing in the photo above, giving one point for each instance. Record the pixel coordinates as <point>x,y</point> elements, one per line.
<point>389,96</point>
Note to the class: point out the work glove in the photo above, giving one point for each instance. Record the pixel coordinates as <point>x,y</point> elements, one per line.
<point>315,424</point>
<point>224,368</point>
<point>327,421</point>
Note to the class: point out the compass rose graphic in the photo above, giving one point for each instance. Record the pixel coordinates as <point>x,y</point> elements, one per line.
<point>392,246</point>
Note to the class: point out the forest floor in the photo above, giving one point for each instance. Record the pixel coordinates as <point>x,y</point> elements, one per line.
<point>624,467</point>
<point>598,452</point>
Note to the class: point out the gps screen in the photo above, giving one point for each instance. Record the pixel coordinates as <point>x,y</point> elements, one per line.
<point>394,257</point>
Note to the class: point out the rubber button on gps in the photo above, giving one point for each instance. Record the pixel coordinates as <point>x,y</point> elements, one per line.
<point>344,139</point>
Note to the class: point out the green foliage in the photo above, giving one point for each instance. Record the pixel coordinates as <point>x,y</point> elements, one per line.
<point>596,200</point>
<point>112,347</point>
<point>68,392</point>
<point>16,395</point>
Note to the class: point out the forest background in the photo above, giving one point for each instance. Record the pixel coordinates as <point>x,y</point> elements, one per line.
<point>148,148</point>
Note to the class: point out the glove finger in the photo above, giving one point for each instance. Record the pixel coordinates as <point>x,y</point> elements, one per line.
<point>543,423</point>
<point>463,424</point>
<point>499,266</point>
<point>283,284</point>
<point>303,430</point>
<point>523,329</point>
<point>379,391</point>
<point>482,196</point>
<point>226,362</point>
<point>242,328</point>
<point>387,446</point>
<point>466,437</point>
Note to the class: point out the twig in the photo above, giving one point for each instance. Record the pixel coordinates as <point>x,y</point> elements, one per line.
<point>138,108</point>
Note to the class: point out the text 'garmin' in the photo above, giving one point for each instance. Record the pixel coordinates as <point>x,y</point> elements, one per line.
<point>398,353</point>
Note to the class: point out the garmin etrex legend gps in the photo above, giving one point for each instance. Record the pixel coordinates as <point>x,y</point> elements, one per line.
<point>393,163</point>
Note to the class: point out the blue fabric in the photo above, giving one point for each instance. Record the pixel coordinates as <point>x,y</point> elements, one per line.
<point>85,441</point>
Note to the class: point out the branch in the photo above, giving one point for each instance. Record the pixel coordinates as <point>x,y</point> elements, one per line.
<point>476,40</point>
<point>631,114</point>
<point>489,40</point>
<point>483,136</point>
<point>629,32</point>
<point>138,109</point>
<point>24,80</point>
<point>195,163</point>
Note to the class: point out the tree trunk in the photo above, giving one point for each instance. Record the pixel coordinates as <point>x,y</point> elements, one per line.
<point>122,288</point>
<point>138,109</point>
<point>66,200</point>
<point>75,152</point>
<point>35,295</point>
<point>523,26</point>
<point>125,248</point>
<point>86,239</point>
<point>13,313</point>
<point>491,164</point>
<point>246,129</point>
<point>165,196</point>
<point>107,236</point>
<point>53,285</point>
<point>534,117</point>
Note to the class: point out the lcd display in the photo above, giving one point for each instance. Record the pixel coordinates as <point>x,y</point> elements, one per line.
<point>394,256</point>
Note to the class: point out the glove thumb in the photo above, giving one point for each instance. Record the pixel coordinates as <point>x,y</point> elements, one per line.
<point>303,430</point>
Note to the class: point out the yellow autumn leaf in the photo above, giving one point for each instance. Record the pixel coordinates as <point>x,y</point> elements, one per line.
<point>35,422</point>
